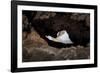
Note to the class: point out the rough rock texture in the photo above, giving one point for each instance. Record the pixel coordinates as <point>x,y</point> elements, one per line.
<point>80,17</point>
<point>35,38</point>
<point>37,48</point>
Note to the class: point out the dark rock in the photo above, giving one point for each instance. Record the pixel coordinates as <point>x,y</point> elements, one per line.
<point>76,29</point>
<point>36,25</point>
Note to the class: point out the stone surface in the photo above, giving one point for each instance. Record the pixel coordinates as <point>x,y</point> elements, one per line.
<point>38,24</point>
<point>37,49</point>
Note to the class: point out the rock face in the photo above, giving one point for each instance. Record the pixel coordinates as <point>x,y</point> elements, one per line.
<point>36,47</point>
<point>38,52</point>
<point>77,29</point>
<point>35,37</point>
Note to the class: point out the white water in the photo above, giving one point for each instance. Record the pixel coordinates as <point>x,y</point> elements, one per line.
<point>62,37</point>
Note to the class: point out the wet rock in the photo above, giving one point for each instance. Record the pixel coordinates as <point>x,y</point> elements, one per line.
<point>78,16</point>
<point>44,15</point>
<point>38,54</point>
<point>33,37</point>
<point>24,19</point>
<point>88,20</point>
<point>83,52</point>
<point>81,17</point>
<point>37,48</point>
<point>66,54</point>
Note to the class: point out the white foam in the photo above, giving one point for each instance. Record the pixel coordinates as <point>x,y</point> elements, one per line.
<point>62,37</point>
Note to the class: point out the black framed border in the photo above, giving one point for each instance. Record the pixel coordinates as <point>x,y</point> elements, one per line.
<point>14,36</point>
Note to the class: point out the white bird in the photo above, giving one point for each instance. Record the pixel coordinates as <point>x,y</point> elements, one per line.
<point>62,37</point>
